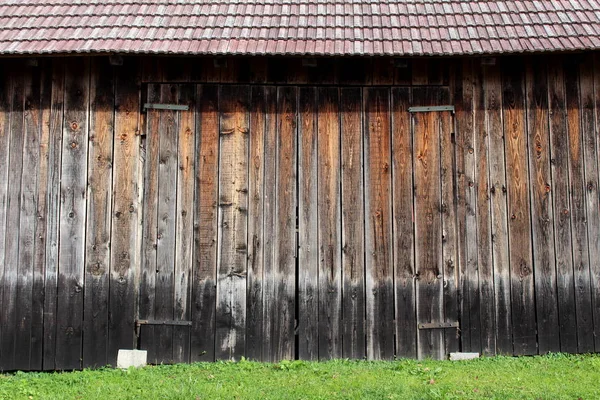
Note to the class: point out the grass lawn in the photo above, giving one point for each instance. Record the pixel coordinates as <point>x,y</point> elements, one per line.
<point>554,376</point>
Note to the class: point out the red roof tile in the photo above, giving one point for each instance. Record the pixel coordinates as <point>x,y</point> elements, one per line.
<point>298,27</point>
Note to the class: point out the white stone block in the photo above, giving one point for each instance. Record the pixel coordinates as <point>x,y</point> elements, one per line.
<point>131,358</point>
<point>463,356</point>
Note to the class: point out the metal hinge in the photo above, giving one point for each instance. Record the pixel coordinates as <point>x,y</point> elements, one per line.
<point>174,107</point>
<point>431,108</point>
<point>438,325</point>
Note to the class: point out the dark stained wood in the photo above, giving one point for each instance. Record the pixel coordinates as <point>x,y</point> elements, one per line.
<point>353,216</point>
<point>233,222</point>
<point>403,225</point>
<point>577,184</point>
<point>73,200</point>
<point>544,261</point>
<point>99,206</point>
<point>519,223</point>
<point>205,225</point>
<point>11,242</point>
<point>499,215</point>
<point>383,71</point>
<point>594,268</point>
<point>329,233</point>
<point>559,165</point>
<point>284,268</point>
<point>378,229</point>
<point>428,225</point>
<point>55,126</point>
<point>126,212</point>
<point>184,231</point>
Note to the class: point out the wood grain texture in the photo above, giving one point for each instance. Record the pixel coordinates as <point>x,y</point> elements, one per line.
<point>233,222</point>
<point>99,206</point>
<point>353,229</point>
<point>73,198</point>
<point>559,166</point>
<point>126,212</point>
<point>594,268</point>
<point>329,218</point>
<point>499,215</point>
<point>378,227</point>
<point>205,225</point>
<point>403,225</point>
<point>544,261</point>
<point>308,252</point>
<point>579,237</point>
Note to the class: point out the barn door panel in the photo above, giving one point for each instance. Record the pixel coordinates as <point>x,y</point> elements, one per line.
<point>167,224</point>
<point>435,224</point>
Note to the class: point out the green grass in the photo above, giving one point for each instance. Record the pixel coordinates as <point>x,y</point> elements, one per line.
<point>555,376</point>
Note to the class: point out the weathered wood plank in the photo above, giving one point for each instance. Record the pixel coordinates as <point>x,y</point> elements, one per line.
<point>544,261</point>
<point>205,225</point>
<point>378,229</point>
<point>55,124</point>
<point>73,198</point>
<point>256,188</point>
<point>270,220</point>
<point>383,71</point>
<point>14,158</point>
<point>559,166</point>
<point>579,238</point>
<point>99,205</point>
<point>184,223</point>
<point>519,224</point>
<point>428,225</point>
<point>330,237</point>
<point>125,243</point>
<point>233,222</point>
<point>28,217</point>
<point>308,252</point>
<point>497,182</point>
<point>403,225</point>
<point>147,300</point>
<point>594,267</point>
<point>353,228</point>
<point>284,268</point>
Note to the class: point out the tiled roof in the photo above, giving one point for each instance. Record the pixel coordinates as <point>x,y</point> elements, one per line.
<point>298,27</point>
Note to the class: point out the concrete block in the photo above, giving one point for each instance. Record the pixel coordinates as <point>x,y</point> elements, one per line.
<point>463,356</point>
<point>131,358</point>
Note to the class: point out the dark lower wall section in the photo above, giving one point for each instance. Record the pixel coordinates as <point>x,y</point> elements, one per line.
<point>297,209</point>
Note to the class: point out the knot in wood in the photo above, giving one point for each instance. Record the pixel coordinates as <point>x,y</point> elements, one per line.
<point>118,214</point>
<point>590,186</point>
<point>566,212</point>
<point>131,208</point>
<point>471,150</point>
<point>74,145</point>
<point>74,125</point>
<point>513,216</point>
<point>71,214</point>
<point>547,187</point>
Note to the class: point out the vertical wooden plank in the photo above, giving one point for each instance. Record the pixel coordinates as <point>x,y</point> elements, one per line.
<point>330,263</point>
<point>559,167</point>
<point>11,242</point>
<point>544,261</point>
<point>448,209</point>
<point>403,225</point>
<point>55,125</point>
<point>353,234</point>
<point>205,225</point>
<point>270,233</point>
<point>590,156</point>
<point>148,268</point>
<point>594,267</point>
<point>519,224</point>
<point>497,181</point>
<point>383,71</point>
<point>233,222</point>
<point>184,224</point>
<point>378,229</point>
<point>28,217</point>
<point>580,248</point>
<point>73,188</point>
<point>168,139</point>
<point>481,269</point>
<point>284,268</point>
<point>95,312</point>
<point>420,71</point>
<point>308,253</point>
<point>256,188</point>
<point>428,225</point>
<point>125,250</point>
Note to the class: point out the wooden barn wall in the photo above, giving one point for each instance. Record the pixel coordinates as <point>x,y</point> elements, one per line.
<point>302,221</point>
